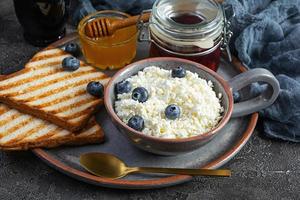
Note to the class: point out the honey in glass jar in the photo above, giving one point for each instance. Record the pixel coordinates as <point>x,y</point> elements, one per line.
<point>110,52</point>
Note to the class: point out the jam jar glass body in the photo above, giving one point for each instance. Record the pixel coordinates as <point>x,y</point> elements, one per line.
<point>190,29</point>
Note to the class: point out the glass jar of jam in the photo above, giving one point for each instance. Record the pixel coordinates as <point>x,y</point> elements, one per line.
<point>196,30</point>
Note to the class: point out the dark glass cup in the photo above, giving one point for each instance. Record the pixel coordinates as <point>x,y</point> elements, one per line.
<point>43,21</point>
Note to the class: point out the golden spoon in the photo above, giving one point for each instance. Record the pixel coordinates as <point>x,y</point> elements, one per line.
<point>109,166</point>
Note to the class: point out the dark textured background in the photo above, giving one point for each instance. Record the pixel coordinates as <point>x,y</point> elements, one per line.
<point>264,169</point>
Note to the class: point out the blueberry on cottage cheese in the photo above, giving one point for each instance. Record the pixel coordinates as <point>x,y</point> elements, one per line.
<point>70,63</point>
<point>95,88</point>
<point>136,122</point>
<point>172,111</point>
<point>178,72</point>
<point>72,48</point>
<point>140,94</point>
<point>123,87</point>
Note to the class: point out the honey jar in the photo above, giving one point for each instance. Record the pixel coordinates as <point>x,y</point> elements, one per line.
<point>196,30</point>
<point>110,52</point>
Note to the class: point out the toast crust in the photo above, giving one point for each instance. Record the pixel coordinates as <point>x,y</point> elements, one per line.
<point>75,126</point>
<point>54,137</point>
<point>67,141</point>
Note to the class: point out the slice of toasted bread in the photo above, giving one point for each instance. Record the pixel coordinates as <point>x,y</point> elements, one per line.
<point>45,90</point>
<point>20,131</point>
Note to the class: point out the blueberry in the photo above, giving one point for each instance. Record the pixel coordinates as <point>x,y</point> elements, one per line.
<point>140,94</point>
<point>70,63</point>
<point>172,111</point>
<point>136,122</point>
<point>123,87</point>
<point>72,48</point>
<point>95,88</point>
<point>236,97</point>
<point>178,72</point>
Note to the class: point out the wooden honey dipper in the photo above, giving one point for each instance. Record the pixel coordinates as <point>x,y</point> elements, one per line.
<point>102,27</point>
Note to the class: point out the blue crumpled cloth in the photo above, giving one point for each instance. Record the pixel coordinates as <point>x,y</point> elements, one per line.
<point>267,34</point>
<point>133,7</point>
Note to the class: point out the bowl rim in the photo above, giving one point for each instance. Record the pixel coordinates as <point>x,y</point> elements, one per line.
<point>206,135</point>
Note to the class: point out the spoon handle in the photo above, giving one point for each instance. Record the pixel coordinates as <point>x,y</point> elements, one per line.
<point>202,172</point>
<point>130,21</point>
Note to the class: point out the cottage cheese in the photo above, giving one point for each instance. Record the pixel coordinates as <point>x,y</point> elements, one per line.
<point>200,107</point>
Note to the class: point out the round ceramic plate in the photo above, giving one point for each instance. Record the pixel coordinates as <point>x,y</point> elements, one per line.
<point>213,155</point>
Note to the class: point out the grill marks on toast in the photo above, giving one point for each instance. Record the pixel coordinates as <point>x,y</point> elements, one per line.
<point>82,110</point>
<point>37,74</point>
<point>48,82</point>
<point>45,54</point>
<point>52,59</point>
<point>38,69</point>
<point>8,119</point>
<point>5,128</point>
<point>71,92</point>
<point>68,104</point>
<point>57,87</point>
<point>17,136</point>
<point>43,81</point>
<point>42,134</point>
<point>22,125</point>
<point>43,87</point>
<point>8,115</point>
<point>47,102</point>
<point>26,132</point>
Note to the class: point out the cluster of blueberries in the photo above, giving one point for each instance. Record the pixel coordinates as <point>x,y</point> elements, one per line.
<point>141,94</point>
<point>71,63</point>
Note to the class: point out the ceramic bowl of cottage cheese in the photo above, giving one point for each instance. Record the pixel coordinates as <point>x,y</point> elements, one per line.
<point>169,106</point>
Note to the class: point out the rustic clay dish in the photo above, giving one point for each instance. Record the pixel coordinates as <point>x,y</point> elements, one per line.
<point>164,146</point>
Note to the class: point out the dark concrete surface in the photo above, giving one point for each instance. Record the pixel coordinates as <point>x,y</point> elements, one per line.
<point>264,169</point>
